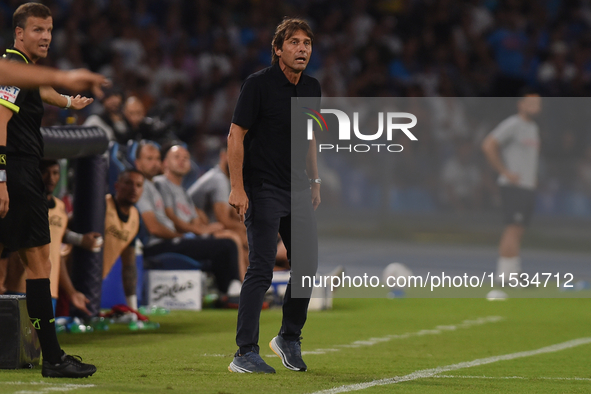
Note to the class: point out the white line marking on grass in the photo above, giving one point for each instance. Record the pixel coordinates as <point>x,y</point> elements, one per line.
<point>438,330</point>
<point>507,377</point>
<point>49,387</point>
<point>428,373</point>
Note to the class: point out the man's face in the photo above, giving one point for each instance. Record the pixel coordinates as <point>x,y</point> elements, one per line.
<point>178,161</point>
<point>51,176</point>
<point>531,105</point>
<point>296,51</point>
<point>129,188</point>
<point>112,103</point>
<point>134,112</point>
<point>148,163</point>
<point>35,37</point>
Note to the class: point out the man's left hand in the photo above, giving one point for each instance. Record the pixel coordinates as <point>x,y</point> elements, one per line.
<point>315,195</point>
<point>90,241</point>
<point>80,102</point>
<point>79,300</point>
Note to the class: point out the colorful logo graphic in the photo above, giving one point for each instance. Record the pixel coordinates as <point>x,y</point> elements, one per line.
<point>315,117</point>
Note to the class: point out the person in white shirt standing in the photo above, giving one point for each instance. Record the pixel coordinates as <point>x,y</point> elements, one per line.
<point>512,149</point>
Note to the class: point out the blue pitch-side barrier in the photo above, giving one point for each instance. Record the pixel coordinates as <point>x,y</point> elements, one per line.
<point>113,285</point>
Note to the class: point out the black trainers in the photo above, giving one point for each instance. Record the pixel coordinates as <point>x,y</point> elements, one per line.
<point>250,362</point>
<point>290,353</point>
<point>69,367</point>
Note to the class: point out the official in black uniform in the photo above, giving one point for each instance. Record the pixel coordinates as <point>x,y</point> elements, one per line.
<point>265,187</point>
<point>24,225</point>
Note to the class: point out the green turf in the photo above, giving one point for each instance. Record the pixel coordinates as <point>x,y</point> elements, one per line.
<point>191,351</point>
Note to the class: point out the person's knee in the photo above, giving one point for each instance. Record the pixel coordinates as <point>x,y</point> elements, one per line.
<point>36,261</point>
<point>229,248</point>
<point>262,271</point>
<point>38,268</point>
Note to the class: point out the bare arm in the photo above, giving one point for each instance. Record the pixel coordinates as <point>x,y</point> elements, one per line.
<point>78,299</point>
<point>312,171</point>
<point>490,147</point>
<point>51,97</point>
<point>228,218</point>
<point>195,226</point>
<point>3,269</point>
<point>5,116</point>
<point>129,270</point>
<point>180,225</point>
<point>238,198</point>
<point>156,228</point>
<point>201,216</point>
<point>223,214</point>
<point>32,76</point>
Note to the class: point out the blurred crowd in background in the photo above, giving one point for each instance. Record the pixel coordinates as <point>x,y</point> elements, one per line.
<point>184,61</point>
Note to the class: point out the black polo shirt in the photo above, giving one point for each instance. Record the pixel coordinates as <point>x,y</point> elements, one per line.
<point>264,109</point>
<point>24,137</point>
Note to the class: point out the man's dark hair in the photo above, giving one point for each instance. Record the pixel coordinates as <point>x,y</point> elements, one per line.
<point>22,13</point>
<point>46,163</point>
<point>168,146</point>
<point>112,91</point>
<point>142,145</point>
<point>528,91</point>
<point>126,172</point>
<point>287,28</point>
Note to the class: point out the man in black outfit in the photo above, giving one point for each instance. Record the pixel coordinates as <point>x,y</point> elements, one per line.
<point>266,185</point>
<point>24,225</point>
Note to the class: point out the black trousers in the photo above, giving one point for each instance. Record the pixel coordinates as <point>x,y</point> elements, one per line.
<point>272,210</point>
<point>219,256</point>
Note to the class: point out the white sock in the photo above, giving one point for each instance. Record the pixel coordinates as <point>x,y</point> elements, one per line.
<point>132,301</point>
<point>508,265</point>
<point>234,288</point>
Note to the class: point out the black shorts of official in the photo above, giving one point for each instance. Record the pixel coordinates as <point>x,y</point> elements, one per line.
<point>26,224</point>
<point>518,205</point>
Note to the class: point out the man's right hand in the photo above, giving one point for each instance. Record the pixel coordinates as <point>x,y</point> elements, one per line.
<point>81,79</point>
<point>3,200</point>
<point>512,177</point>
<point>239,201</point>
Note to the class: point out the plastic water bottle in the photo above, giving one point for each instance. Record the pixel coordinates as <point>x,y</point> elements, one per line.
<point>210,300</point>
<point>99,324</point>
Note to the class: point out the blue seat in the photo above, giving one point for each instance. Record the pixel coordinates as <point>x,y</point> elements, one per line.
<point>131,151</point>
<point>171,261</point>
<point>112,291</point>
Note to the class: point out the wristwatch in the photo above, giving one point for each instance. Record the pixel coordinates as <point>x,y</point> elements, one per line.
<point>2,176</point>
<point>317,180</point>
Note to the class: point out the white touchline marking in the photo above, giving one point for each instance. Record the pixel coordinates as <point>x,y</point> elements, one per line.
<point>49,387</point>
<point>42,383</point>
<point>438,330</point>
<point>217,355</point>
<point>428,373</point>
<point>506,377</point>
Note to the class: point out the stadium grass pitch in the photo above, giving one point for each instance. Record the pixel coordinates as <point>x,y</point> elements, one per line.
<point>383,345</point>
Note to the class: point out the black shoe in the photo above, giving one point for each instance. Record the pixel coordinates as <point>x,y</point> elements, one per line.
<point>290,353</point>
<point>250,362</point>
<point>69,367</point>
